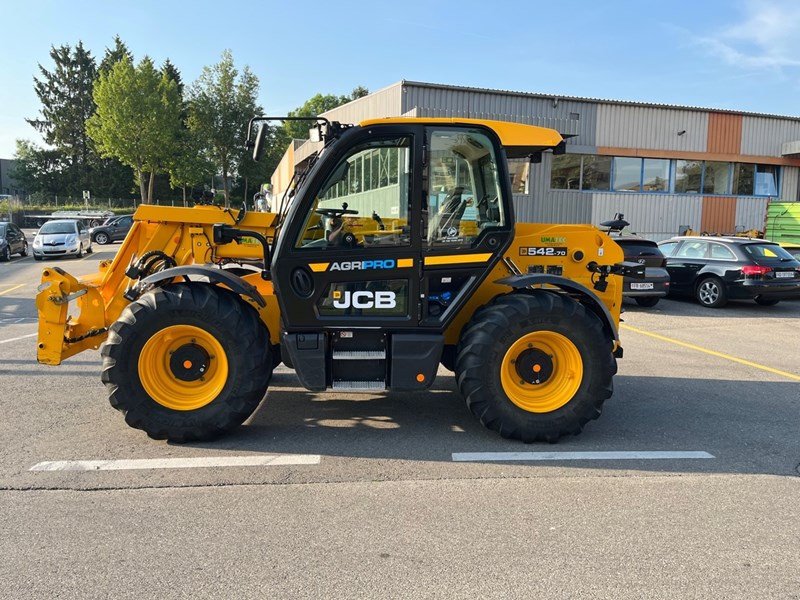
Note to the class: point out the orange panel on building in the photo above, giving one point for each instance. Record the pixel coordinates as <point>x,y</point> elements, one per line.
<point>724,133</point>
<point>719,214</point>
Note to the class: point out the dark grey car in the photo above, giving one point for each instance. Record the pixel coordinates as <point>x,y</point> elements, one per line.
<point>12,241</point>
<point>113,230</point>
<point>655,285</point>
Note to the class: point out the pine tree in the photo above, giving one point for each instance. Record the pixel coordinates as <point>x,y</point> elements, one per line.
<point>66,96</point>
<point>114,55</point>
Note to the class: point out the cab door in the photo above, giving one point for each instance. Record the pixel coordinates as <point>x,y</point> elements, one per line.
<point>467,218</point>
<point>349,256</point>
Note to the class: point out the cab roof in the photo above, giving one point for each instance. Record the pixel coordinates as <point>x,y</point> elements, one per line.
<point>519,139</point>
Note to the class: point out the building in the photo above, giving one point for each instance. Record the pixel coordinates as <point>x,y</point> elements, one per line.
<point>665,167</point>
<point>8,186</point>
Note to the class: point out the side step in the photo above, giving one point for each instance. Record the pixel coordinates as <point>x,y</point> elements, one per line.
<point>353,386</point>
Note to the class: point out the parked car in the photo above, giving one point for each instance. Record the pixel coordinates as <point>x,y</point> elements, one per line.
<point>64,237</point>
<point>12,241</point>
<point>717,269</point>
<point>114,229</point>
<point>645,291</point>
<point>655,285</point>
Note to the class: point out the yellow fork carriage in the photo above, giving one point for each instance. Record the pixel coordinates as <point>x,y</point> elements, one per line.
<point>397,252</point>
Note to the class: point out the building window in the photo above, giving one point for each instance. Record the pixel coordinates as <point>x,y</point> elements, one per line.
<point>688,176</point>
<point>655,175</point>
<point>566,172</point>
<point>766,180</point>
<point>519,171</point>
<point>717,178</point>
<point>627,174</point>
<point>596,173</point>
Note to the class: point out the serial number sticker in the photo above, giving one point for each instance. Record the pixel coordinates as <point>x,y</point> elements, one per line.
<point>543,251</point>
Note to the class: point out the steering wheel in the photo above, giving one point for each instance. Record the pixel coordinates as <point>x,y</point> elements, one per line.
<point>335,212</point>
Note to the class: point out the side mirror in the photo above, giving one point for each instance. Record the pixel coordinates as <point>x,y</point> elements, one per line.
<point>258,147</point>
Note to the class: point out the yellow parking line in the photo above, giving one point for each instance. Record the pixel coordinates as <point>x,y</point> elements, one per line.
<point>735,359</point>
<point>16,287</point>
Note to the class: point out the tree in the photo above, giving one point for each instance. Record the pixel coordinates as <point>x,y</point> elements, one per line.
<point>315,106</point>
<point>137,119</point>
<point>114,55</point>
<point>66,96</point>
<point>222,101</point>
<point>173,74</point>
<point>189,166</point>
<point>37,170</point>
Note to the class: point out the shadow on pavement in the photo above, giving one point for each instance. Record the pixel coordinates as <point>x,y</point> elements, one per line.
<point>750,427</point>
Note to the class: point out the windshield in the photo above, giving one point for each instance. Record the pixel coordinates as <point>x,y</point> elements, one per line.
<point>55,227</point>
<point>767,253</point>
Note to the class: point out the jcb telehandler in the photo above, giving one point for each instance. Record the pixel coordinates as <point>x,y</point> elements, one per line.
<point>396,251</point>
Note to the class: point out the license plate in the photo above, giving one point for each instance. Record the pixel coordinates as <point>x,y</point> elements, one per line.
<point>641,286</point>
<point>786,274</point>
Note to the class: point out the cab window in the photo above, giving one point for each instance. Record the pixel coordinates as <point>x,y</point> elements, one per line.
<point>464,191</point>
<point>365,200</point>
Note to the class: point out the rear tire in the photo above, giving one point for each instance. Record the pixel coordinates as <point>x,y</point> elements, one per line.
<point>5,255</point>
<point>647,301</point>
<point>766,300</point>
<point>711,292</point>
<point>24,250</point>
<point>233,327</point>
<point>487,363</point>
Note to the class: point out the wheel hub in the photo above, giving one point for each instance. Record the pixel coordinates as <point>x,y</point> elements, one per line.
<point>189,362</point>
<point>534,366</point>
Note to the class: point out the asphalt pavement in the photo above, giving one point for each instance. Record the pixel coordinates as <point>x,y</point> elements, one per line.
<point>687,485</point>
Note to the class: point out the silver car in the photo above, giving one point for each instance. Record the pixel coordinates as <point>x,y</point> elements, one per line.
<point>64,237</point>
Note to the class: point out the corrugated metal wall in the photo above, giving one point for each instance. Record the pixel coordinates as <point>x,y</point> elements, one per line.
<point>560,206</point>
<point>789,182</point>
<point>724,133</point>
<point>656,216</point>
<point>383,103</point>
<point>719,214</point>
<point>624,126</point>
<point>750,213</point>
<point>764,136</point>
<point>430,101</point>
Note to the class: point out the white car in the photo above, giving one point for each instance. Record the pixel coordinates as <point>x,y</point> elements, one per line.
<point>64,237</point>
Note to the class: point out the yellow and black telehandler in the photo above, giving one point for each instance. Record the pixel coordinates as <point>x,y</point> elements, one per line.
<point>396,251</point>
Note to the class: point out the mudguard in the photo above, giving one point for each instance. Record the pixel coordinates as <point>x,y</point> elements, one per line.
<point>587,296</point>
<point>214,275</point>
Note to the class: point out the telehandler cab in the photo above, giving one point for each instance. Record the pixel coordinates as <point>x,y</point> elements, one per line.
<point>396,251</point>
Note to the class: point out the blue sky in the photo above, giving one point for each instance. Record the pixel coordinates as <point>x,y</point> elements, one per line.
<point>738,54</point>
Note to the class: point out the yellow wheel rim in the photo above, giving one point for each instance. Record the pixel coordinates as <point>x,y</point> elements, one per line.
<point>541,371</point>
<point>183,367</point>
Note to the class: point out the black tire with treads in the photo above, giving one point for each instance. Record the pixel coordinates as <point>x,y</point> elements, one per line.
<point>492,331</point>
<point>234,324</point>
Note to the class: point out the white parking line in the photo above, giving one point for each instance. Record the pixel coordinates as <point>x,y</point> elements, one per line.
<point>609,455</point>
<point>22,337</point>
<point>259,460</point>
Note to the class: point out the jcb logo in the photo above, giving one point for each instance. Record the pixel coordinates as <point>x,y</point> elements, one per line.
<point>364,299</point>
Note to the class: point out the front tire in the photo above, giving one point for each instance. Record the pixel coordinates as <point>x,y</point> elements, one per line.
<point>711,292</point>
<point>535,367</point>
<point>24,250</point>
<point>647,301</point>
<point>5,255</point>
<point>187,362</point>
<point>101,238</point>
